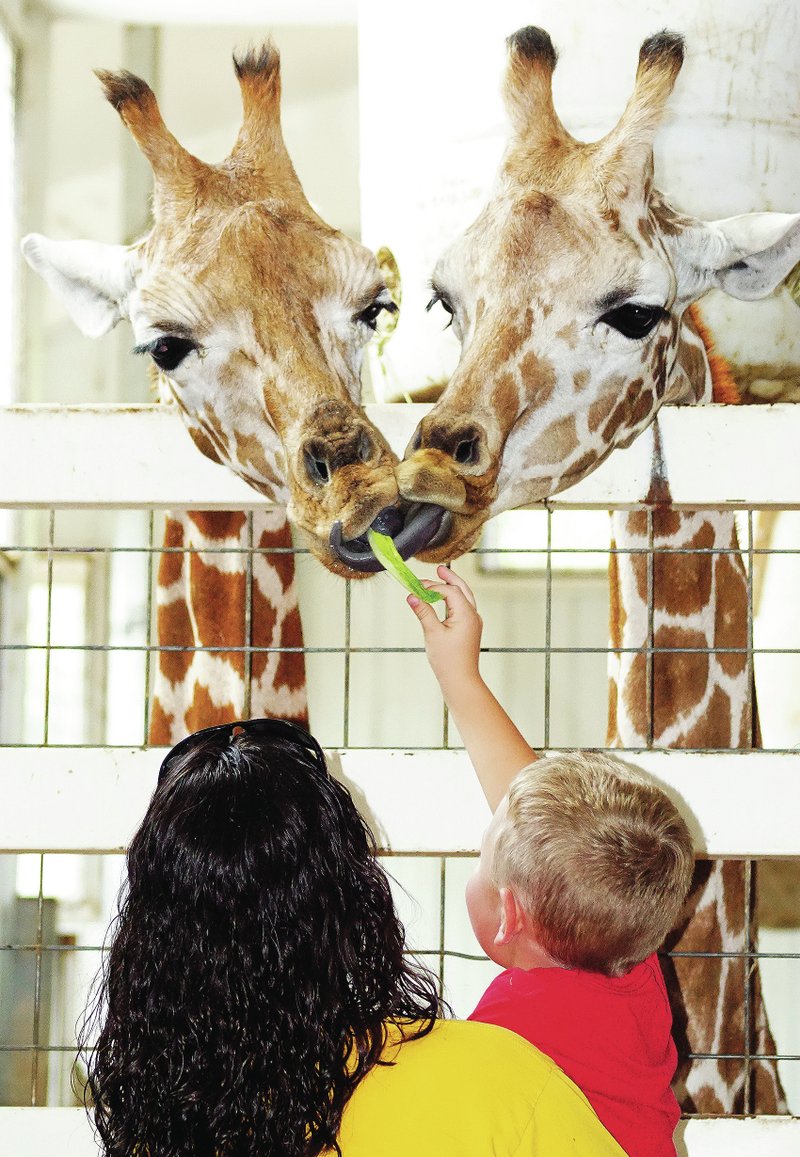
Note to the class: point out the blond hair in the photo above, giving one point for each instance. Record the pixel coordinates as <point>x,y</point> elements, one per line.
<point>599,857</point>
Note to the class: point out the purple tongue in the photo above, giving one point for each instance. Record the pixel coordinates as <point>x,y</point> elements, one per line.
<point>423,522</point>
<point>388,521</point>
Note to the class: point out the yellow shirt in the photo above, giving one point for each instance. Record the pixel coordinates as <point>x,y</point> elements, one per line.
<point>470,1090</point>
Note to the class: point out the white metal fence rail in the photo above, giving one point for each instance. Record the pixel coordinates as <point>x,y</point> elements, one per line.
<point>140,456</point>
<point>743,805</point>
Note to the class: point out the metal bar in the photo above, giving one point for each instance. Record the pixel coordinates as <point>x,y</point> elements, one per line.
<point>48,628</point>
<point>248,620</point>
<point>135,648</point>
<point>548,627</point>
<point>348,651</point>
<point>148,654</point>
<point>21,548</point>
<point>751,721</point>
<point>602,551</point>
<point>37,991</point>
<point>748,979</point>
<point>754,954</point>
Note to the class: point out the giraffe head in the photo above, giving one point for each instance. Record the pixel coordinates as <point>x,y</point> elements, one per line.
<point>569,296</point>
<point>254,311</point>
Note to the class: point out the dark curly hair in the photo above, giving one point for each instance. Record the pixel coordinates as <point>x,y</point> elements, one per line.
<point>255,957</point>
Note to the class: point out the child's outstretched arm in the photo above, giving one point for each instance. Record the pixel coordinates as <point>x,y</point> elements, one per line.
<point>494,744</point>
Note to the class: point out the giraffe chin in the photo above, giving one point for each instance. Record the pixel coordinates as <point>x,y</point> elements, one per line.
<point>419,527</point>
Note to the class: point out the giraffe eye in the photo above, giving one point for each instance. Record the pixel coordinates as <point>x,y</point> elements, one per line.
<point>445,304</point>
<point>370,315</point>
<point>168,352</point>
<point>634,321</point>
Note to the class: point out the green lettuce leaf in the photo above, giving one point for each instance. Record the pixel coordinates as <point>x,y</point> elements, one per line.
<point>388,556</point>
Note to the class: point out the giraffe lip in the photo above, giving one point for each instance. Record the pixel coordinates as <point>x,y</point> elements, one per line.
<point>424,525</point>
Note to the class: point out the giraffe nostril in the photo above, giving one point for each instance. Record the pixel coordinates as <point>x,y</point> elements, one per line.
<point>463,444</point>
<point>324,455</point>
<point>467,452</point>
<point>318,469</point>
<point>365,448</point>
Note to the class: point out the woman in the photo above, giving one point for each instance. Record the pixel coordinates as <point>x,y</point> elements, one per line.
<point>256,998</point>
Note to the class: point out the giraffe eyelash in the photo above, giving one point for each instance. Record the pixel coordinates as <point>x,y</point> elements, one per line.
<point>440,297</point>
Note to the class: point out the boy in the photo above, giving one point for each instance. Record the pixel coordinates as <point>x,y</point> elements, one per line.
<point>583,871</point>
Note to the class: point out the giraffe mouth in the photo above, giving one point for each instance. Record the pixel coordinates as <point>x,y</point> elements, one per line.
<point>420,526</point>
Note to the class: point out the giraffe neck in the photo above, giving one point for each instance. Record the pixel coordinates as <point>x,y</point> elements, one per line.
<point>680,627</point>
<point>226,614</point>
<point>680,675</point>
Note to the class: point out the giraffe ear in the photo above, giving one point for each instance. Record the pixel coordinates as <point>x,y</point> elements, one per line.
<point>94,281</point>
<point>747,257</point>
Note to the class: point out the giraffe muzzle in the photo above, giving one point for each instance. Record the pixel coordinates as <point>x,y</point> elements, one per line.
<point>419,526</point>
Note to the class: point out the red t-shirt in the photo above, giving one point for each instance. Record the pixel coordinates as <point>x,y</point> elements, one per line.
<point>611,1035</point>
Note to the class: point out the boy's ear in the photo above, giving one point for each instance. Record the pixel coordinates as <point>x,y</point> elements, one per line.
<point>512,920</point>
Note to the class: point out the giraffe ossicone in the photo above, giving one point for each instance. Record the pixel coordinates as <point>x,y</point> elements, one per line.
<point>255,312</point>
<point>569,295</point>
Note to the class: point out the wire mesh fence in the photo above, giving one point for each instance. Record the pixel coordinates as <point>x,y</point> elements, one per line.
<point>78,657</point>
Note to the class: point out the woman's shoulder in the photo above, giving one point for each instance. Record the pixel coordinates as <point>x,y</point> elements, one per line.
<point>464,1037</point>
<point>492,1060</point>
<point>456,1035</point>
<point>473,1088</point>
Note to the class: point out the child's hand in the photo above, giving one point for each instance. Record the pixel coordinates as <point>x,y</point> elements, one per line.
<point>451,644</point>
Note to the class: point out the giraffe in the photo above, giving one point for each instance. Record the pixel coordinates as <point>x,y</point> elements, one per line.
<point>254,312</point>
<point>572,295</point>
